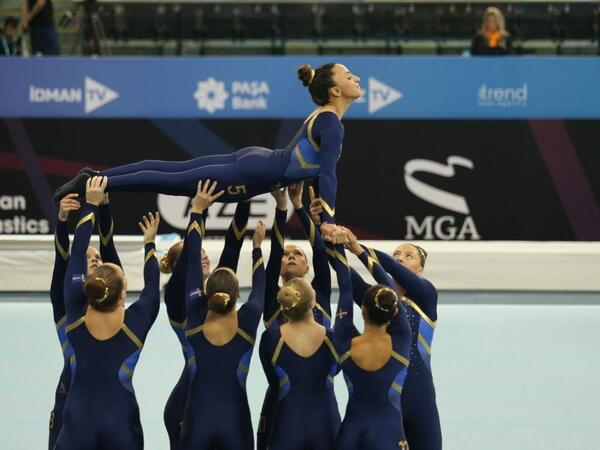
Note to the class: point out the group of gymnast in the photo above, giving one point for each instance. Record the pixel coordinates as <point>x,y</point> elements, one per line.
<point>303,348</point>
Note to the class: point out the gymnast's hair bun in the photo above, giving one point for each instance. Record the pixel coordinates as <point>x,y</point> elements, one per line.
<point>306,74</point>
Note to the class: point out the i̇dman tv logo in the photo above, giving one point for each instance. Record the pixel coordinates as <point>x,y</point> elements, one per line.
<point>94,95</point>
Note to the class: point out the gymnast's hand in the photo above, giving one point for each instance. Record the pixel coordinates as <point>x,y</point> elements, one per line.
<point>104,199</point>
<point>281,199</point>
<point>352,244</point>
<point>149,226</point>
<point>315,207</point>
<point>259,234</point>
<point>94,190</point>
<point>295,193</point>
<point>68,204</point>
<point>205,196</point>
<point>333,233</point>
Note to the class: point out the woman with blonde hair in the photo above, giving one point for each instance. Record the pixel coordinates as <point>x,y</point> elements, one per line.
<point>492,39</point>
<point>300,362</point>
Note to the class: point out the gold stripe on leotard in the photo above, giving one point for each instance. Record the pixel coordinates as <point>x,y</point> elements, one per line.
<point>63,252</point>
<point>84,219</point>
<point>150,254</point>
<point>302,161</point>
<point>397,387</point>
<point>64,346</point>
<point>320,308</point>
<point>239,234</point>
<point>126,369</point>
<point>344,357</point>
<point>132,336</point>
<point>106,239</point>
<point>278,234</point>
<point>284,380</point>
<point>327,208</point>
<point>331,348</point>
<point>243,368</point>
<point>246,336</point>
<point>194,226</point>
<point>61,322</point>
<point>373,253</point>
<point>177,324</point>
<point>75,324</point>
<point>194,331</point>
<point>419,311</point>
<point>424,343</point>
<point>400,358</point>
<point>277,351</point>
<point>311,122</point>
<point>273,317</point>
<point>191,360</point>
<point>258,263</point>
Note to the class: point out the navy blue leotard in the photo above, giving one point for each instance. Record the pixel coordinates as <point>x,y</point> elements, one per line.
<point>175,303</point>
<point>61,258</point>
<point>313,151</point>
<point>217,414</point>
<point>306,416</point>
<point>272,313</point>
<point>373,418</point>
<point>101,410</point>
<point>421,417</point>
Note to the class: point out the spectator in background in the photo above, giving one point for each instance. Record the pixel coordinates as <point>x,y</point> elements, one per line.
<point>10,44</point>
<point>492,39</point>
<point>38,19</point>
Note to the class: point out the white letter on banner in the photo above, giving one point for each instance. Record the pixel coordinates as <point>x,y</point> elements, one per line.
<point>414,230</point>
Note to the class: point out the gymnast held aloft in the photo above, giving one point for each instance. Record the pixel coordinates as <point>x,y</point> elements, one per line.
<point>251,171</point>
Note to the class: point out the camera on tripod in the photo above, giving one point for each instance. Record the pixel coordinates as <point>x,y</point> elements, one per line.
<point>90,38</point>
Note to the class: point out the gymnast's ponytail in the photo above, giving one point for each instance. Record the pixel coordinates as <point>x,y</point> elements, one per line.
<point>381,304</point>
<point>296,299</point>
<point>169,259</point>
<point>103,287</point>
<point>318,81</point>
<point>222,290</point>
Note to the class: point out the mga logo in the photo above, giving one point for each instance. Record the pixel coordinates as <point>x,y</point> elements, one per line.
<point>442,227</point>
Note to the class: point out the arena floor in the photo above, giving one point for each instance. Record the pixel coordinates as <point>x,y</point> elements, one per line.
<point>523,375</point>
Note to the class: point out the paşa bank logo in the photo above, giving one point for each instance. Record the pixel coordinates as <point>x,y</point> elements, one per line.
<point>94,95</point>
<point>212,95</point>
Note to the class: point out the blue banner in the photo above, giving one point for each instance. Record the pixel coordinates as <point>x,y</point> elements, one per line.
<point>267,87</point>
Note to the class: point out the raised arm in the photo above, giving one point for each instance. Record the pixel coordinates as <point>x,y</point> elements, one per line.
<point>271,309</point>
<point>108,252</point>
<point>375,269</point>
<point>251,311</point>
<point>141,315</point>
<point>344,327</point>
<point>61,255</point>
<point>417,287</point>
<point>75,301</point>
<point>194,283</point>
<point>235,237</point>
<point>175,289</point>
<point>328,131</point>
<point>322,279</point>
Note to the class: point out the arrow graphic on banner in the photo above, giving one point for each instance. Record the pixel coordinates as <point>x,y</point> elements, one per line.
<point>381,95</point>
<point>97,95</point>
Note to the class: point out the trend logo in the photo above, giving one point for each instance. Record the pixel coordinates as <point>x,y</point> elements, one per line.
<point>211,95</point>
<point>381,95</point>
<point>97,95</point>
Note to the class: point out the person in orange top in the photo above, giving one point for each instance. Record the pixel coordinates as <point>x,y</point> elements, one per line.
<point>492,39</point>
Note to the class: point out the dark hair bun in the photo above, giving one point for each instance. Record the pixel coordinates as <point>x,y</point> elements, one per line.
<point>305,74</point>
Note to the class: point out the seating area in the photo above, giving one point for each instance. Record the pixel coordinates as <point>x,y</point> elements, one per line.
<point>196,27</point>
